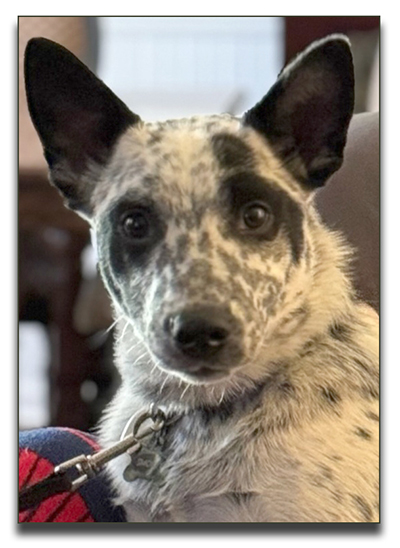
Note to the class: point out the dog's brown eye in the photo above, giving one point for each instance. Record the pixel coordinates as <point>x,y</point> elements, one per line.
<point>256,216</point>
<point>135,225</point>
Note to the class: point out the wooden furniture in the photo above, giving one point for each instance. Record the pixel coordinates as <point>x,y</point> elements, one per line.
<point>51,239</point>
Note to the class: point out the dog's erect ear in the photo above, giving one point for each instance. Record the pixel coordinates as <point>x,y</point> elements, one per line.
<point>77,117</point>
<point>306,113</point>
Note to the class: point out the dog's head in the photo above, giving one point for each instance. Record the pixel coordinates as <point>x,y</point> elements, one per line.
<point>203,225</point>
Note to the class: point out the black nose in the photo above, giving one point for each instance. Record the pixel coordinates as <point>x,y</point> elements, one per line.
<point>199,333</point>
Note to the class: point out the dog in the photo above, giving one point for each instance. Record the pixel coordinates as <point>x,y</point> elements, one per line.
<point>234,307</point>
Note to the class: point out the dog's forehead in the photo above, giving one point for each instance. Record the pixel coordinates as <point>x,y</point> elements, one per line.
<point>178,153</point>
<point>182,161</point>
<point>153,158</point>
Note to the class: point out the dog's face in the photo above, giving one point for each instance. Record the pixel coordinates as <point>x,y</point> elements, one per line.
<point>201,224</point>
<point>196,241</point>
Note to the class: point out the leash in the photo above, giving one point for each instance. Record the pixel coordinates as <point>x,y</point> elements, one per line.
<point>73,473</point>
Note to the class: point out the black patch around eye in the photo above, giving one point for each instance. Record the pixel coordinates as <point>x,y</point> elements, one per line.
<point>131,229</point>
<point>231,152</point>
<point>245,187</point>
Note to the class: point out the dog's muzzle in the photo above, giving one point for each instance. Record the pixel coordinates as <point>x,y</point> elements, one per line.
<point>203,342</point>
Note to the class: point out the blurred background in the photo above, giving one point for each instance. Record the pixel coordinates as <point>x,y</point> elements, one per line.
<point>162,67</point>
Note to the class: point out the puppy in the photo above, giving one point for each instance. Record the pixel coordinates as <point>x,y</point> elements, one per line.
<point>235,311</point>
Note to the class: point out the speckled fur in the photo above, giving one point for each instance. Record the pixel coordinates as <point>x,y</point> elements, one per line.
<point>289,432</point>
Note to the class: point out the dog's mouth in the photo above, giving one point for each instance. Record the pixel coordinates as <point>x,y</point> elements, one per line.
<point>195,373</point>
<point>206,375</point>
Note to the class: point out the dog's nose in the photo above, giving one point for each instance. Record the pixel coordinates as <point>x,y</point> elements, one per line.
<point>200,333</point>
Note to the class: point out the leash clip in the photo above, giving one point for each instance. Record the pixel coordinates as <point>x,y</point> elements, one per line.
<point>73,473</point>
<point>88,466</point>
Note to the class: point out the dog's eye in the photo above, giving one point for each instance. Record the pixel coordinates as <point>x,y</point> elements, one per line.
<point>135,225</point>
<point>256,216</point>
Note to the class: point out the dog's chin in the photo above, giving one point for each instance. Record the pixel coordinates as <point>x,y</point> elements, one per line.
<point>200,374</point>
<point>204,375</point>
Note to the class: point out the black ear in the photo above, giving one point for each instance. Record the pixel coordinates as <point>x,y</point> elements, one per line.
<point>306,113</point>
<point>77,117</point>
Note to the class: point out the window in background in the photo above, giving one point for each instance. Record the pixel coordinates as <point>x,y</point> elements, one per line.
<point>167,67</point>
<point>34,359</point>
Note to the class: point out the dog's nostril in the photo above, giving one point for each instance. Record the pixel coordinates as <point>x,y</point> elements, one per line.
<point>217,337</point>
<point>189,336</point>
<point>196,335</point>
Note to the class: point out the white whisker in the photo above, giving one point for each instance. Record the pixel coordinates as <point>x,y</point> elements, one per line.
<point>113,324</point>
<point>135,345</point>
<point>163,384</point>
<point>212,392</point>
<point>139,358</point>
<point>153,368</point>
<point>127,324</point>
<point>184,391</point>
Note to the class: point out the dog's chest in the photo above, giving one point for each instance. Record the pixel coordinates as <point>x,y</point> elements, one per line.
<point>180,454</point>
<point>186,463</point>
<point>228,470</point>
<point>215,474</point>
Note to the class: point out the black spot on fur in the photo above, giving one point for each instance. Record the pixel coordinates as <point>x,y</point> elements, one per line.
<point>372,416</point>
<point>362,365</point>
<point>363,507</point>
<point>182,244</point>
<point>337,496</point>
<point>340,332</point>
<point>198,169</point>
<point>231,152</point>
<point>155,138</point>
<point>363,433</point>
<point>309,348</point>
<point>326,472</point>
<point>299,316</point>
<point>204,242</point>
<point>243,403</point>
<point>330,395</point>
<point>221,413</point>
<point>335,458</point>
<point>259,431</point>
<point>287,389</point>
<point>370,392</point>
<point>242,498</point>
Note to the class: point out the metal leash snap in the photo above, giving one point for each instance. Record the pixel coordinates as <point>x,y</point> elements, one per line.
<point>158,420</point>
<point>144,462</point>
<point>88,466</point>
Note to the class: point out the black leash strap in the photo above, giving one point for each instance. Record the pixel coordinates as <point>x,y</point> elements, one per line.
<point>32,496</point>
